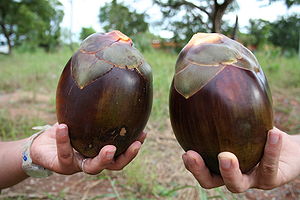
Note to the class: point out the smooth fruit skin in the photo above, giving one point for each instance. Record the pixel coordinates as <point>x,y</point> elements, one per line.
<point>111,109</point>
<point>230,112</point>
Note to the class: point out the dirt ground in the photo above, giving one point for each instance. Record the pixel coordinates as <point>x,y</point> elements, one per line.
<point>163,156</point>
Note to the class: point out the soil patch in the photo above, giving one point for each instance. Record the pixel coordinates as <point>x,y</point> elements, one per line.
<point>161,153</point>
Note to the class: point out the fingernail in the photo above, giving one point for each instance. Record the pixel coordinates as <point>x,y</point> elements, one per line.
<point>273,138</point>
<point>110,154</point>
<point>225,163</point>
<point>62,130</point>
<point>191,162</point>
<point>62,126</point>
<point>135,150</point>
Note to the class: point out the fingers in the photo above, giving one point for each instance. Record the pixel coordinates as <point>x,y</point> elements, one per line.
<point>105,159</point>
<point>142,137</point>
<point>101,161</point>
<point>64,148</point>
<point>127,157</point>
<point>195,164</point>
<point>232,176</point>
<point>268,167</point>
<point>264,177</point>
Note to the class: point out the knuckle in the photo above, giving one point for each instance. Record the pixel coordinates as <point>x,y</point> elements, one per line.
<point>267,186</point>
<point>228,177</point>
<point>271,152</point>
<point>104,160</point>
<point>120,167</point>
<point>269,168</point>
<point>195,170</point>
<point>206,185</point>
<point>65,156</point>
<point>62,142</point>
<point>236,189</point>
<point>93,172</point>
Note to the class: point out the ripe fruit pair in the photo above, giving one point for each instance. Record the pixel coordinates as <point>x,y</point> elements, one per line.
<point>219,98</point>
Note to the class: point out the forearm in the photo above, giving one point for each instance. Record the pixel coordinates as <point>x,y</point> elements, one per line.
<point>11,171</point>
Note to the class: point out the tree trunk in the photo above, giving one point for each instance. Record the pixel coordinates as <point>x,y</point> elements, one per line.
<point>9,46</point>
<point>7,36</point>
<point>216,28</point>
<point>218,12</point>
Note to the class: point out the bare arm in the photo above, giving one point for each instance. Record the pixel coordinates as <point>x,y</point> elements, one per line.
<point>52,150</point>
<point>11,171</point>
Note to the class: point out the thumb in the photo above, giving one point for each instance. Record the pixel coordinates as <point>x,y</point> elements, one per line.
<point>268,167</point>
<point>63,145</point>
<point>233,178</point>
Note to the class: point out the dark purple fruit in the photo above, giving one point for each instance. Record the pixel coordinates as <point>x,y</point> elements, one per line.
<point>104,94</point>
<point>220,101</point>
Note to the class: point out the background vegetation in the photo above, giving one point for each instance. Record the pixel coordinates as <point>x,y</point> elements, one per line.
<point>29,75</point>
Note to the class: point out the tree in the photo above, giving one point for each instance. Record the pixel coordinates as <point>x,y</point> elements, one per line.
<point>35,22</point>
<point>208,14</point>
<point>116,16</point>
<point>259,30</point>
<point>186,17</point>
<point>285,32</point>
<point>288,3</point>
<point>85,32</point>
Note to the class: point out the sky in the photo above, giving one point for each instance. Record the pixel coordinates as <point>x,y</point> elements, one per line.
<point>85,13</point>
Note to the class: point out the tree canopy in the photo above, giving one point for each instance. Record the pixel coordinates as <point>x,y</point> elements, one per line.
<point>35,22</point>
<point>288,3</point>
<point>285,32</point>
<point>259,32</point>
<point>116,16</point>
<point>186,17</point>
<point>86,31</point>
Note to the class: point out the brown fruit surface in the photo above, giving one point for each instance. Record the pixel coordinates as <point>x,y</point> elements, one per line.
<point>104,94</point>
<point>220,101</point>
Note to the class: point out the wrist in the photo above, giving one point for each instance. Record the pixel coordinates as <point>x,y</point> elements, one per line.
<point>29,167</point>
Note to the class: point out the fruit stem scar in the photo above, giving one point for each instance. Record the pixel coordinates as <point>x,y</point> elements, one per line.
<point>123,132</point>
<point>204,38</point>
<point>122,36</point>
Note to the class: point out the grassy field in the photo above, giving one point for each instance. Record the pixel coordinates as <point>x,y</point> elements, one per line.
<point>27,98</point>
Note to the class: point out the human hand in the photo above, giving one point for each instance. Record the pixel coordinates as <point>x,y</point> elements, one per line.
<point>279,165</point>
<point>52,150</point>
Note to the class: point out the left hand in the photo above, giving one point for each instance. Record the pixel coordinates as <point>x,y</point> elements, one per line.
<point>52,150</point>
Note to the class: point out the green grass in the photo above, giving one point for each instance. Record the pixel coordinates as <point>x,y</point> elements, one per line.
<point>39,72</point>
<point>163,67</point>
<point>20,126</point>
<point>282,72</point>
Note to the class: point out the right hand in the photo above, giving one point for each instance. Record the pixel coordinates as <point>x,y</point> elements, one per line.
<point>279,165</point>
